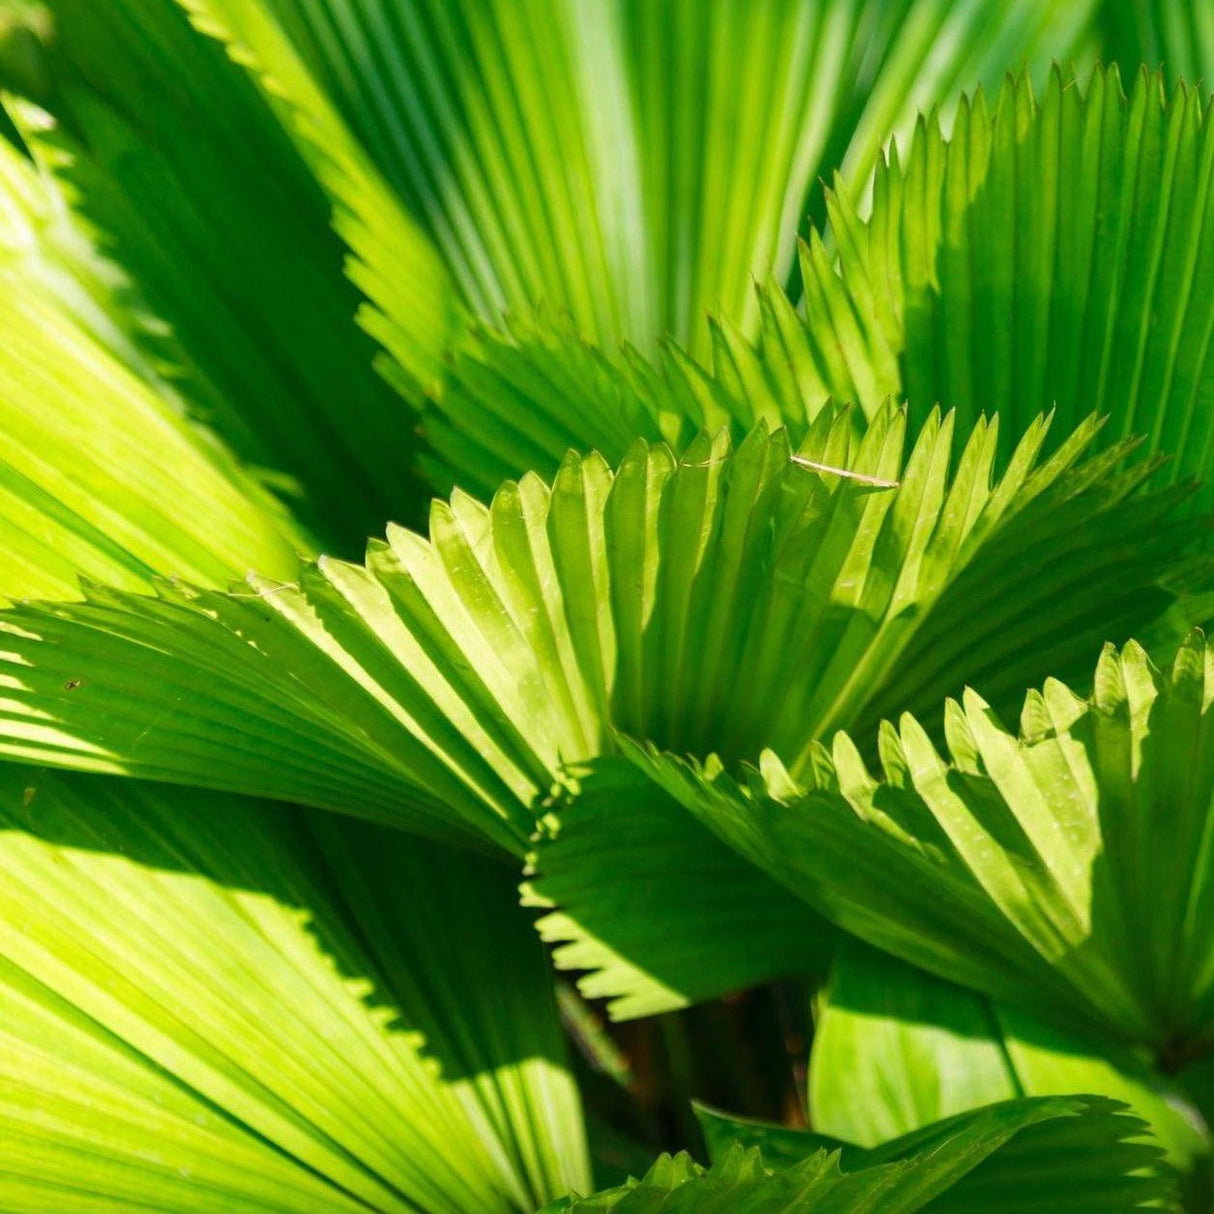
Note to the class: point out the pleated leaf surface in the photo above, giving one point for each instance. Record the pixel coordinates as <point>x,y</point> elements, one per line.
<point>1047,253</point>
<point>212,1005</point>
<point>1063,869</point>
<point>445,684</point>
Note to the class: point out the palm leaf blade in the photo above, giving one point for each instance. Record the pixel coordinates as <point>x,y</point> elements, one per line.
<point>326,1085</point>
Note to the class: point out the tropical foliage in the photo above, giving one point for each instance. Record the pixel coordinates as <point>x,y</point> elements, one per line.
<point>754,407</point>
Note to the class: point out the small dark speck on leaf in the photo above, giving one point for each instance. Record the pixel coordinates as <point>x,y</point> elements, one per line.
<point>28,796</point>
<point>72,684</point>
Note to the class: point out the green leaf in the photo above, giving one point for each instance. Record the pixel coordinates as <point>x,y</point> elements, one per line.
<point>1046,254</point>
<point>1197,1082</point>
<point>984,278</point>
<point>629,172</point>
<point>634,168</point>
<point>209,1004</point>
<point>1065,870</point>
<point>896,1049</point>
<point>207,204</point>
<point>445,684</point>
<point>46,244</point>
<point>1017,1156</point>
<point>655,907</point>
<point>414,312</point>
<point>780,1145</point>
<point>23,28</point>
<point>101,474</point>
<point>1177,35</point>
<point>518,400</point>
<point>1008,1180</point>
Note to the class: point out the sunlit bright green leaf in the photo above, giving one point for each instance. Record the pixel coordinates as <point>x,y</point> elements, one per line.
<point>1063,869</point>
<point>210,1005</point>
<point>1052,253</point>
<point>101,472</point>
<point>445,684</point>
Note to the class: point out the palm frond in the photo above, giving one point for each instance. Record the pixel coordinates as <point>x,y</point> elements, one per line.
<point>101,471</point>
<point>1175,35</point>
<point>1063,870</point>
<point>445,684</point>
<point>631,168</point>
<point>1045,254</point>
<point>1014,1156</point>
<point>655,910</point>
<point>205,201</point>
<point>412,308</point>
<point>210,1005</point>
<point>1052,254</point>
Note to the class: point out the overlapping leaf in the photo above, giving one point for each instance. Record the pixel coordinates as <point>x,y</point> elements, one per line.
<point>655,908</point>
<point>608,180</point>
<point>1014,1156</point>
<point>1177,35</point>
<point>449,684</point>
<point>209,206</point>
<point>209,1005</point>
<point>1052,254</point>
<point>46,245</point>
<point>895,1049</point>
<point>518,401</point>
<point>100,472</point>
<point>446,683</point>
<point>1065,870</point>
<point>1047,254</point>
<point>631,167</point>
<point>416,314</point>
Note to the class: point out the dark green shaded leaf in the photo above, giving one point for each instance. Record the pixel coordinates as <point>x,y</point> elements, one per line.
<point>655,907</point>
<point>1017,1156</point>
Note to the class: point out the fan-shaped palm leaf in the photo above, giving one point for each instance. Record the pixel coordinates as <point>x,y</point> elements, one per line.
<point>630,166</point>
<point>655,910</point>
<point>1065,870</point>
<point>1052,254</point>
<point>650,196</point>
<point>445,684</point>
<point>210,1005</point>
<point>519,191</point>
<point>1047,253</point>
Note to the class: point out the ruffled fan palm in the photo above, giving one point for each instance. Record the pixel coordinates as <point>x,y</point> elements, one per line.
<point>734,468</point>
